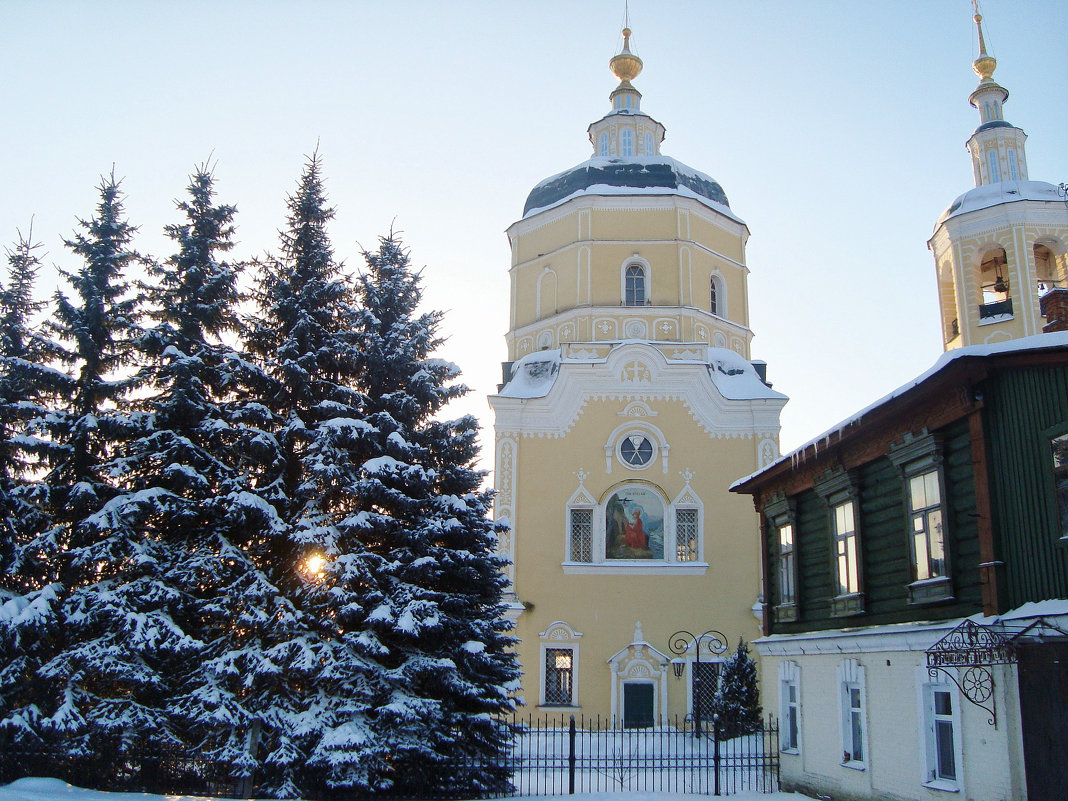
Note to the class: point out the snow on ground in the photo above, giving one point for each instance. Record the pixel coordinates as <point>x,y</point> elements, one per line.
<point>56,790</point>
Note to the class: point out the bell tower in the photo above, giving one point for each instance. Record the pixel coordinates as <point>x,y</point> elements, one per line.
<point>628,406</point>
<point>1000,248</point>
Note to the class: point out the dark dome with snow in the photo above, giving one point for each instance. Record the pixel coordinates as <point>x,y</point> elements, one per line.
<point>655,175</point>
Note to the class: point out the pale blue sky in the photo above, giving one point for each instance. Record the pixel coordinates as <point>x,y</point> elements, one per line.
<point>837,130</point>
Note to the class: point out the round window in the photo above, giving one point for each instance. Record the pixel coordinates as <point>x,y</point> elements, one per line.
<point>636,450</point>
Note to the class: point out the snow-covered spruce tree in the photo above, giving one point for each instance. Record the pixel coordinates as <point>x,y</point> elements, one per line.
<point>24,382</point>
<point>94,643</point>
<point>418,560</point>
<point>305,335</point>
<point>737,700</point>
<point>190,484</point>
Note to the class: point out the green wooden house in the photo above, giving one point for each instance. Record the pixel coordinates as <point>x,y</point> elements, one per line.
<point>915,567</point>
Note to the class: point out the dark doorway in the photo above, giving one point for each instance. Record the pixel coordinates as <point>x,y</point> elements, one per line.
<point>1043,672</point>
<point>637,706</point>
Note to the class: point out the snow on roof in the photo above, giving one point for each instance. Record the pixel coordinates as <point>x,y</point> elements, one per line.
<point>988,195</point>
<point>638,175</point>
<point>533,375</point>
<point>735,378</point>
<point>1032,343</point>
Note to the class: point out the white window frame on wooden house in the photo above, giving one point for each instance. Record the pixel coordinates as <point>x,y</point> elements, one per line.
<point>841,494</point>
<point>920,460</point>
<point>780,516</point>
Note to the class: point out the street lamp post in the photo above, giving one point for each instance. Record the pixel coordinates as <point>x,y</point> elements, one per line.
<point>712,643</point>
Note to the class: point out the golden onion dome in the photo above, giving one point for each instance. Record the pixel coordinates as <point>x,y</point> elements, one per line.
<point>625,64</point>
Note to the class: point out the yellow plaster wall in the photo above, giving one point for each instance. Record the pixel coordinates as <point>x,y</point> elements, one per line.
<point>604,608</point>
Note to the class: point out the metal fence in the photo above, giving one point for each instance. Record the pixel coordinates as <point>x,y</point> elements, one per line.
<point>564,755</point>
<point>547,755</point>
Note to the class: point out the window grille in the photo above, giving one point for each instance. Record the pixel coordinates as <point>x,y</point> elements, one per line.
<point>686,535</point>
<point>559,669</point>
<point>581,535</point>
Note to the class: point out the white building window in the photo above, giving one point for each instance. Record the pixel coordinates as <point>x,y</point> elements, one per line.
<point>559,665</point>
<point>686,534</point>
<point>559,675</point>
<point>940,707</point>
<point>780,515</point>
<point>581,535</point>
<point>852,721</point>
<point>1013,173</point>
<point>841,494</point>
<point>717,296</point>
<point>628,142</point>
<point>790,707</point>
<point>603,145</point>
<point>787,564</point>
<point>650,147</point>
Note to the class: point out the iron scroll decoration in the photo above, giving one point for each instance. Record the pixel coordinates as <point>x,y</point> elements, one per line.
<point>714,642</point>
<point>975,649</point>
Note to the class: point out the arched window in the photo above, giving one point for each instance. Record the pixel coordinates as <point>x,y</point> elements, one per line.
<point>603,148</point>
<point>717,296</point>
<point>634,290</point>
<point>992,166</point>
<point>628,142</point>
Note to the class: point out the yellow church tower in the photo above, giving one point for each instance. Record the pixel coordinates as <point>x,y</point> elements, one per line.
<point>999,248</point>
<point>629,405</point>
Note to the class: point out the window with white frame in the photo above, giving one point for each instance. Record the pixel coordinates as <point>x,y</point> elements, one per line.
<point>940,702</point>
<point>780,514</point>
<point>580,535</point>
<point>851,713</point>
<point>686,534</point>
<point>717,296</point>
<point>650,146</point>
<point>839,491</point>
<point>559,679</point>
<point>603,145</point>
<point>634,286</point>
<point>920,461</point>
<point>993,167</point>
<point>790,707</point>
<point>1059,453</point>
<point>628,142</point>
<point>559,674</point>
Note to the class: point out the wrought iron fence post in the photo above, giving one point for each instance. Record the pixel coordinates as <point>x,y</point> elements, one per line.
<point>571,757</point>
<point>715,751</point>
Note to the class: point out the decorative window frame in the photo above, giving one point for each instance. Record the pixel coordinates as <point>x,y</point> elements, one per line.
<point>639,663</point>
<point>1058,511</point>
<point>634,260</point>
<point>839,487</point>
<point>790,676</point>
<point>559,635</point>
<point>851,677</point>
<point>687,499</point>
<point>914,456</point>
<point>926,686</point>
<point>612,445</point>
<point>782,511</point>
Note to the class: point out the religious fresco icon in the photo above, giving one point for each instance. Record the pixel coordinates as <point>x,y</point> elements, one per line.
<point>634,524</point>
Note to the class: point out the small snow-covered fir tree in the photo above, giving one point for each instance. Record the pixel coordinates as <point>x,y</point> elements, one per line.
<point>24,383</point>
<point>737,700</point>
<point>430,617</point>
